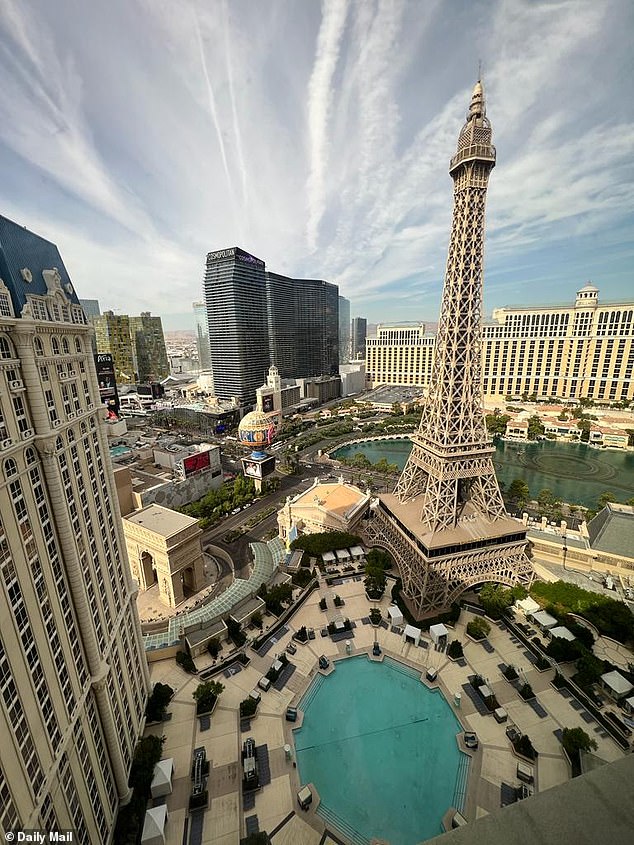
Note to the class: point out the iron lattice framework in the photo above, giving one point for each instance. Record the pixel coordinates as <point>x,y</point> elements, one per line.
<point>446,524</point>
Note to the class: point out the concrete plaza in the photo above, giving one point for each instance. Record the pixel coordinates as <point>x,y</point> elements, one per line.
<point>275,804</point>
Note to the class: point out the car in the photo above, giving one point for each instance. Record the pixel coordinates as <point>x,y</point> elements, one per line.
<point>324,663</point>
<point>291,714</point>
<point>248,749</point>
<point>470,739</point>
<point>512,733</point>
<point>291,648</point>
<point>311,633</point>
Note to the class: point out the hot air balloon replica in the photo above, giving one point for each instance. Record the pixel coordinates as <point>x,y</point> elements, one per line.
<point>257,430</point>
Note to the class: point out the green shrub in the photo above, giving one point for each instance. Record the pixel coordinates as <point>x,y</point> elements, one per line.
<point>575,740</point>
<point>455,649</point>
<point>478,628</point>
<point>376,616</point>
<point>322,603</point>
<point>302,577</point>
<point>510,673</point>
<point>338,601</point>
<point>257,619</point>
<point>564,650</point>
<point>526,691</point>
<point>248,707</point>
<point>328,541</point>
<point>235,632</point>
<point>302,635</point>
<point>524,746</point>
<point>185,661</point>
<point>157,702</point>
<point>495,599</point>
<point>213,647</point>
<point>206,694</point>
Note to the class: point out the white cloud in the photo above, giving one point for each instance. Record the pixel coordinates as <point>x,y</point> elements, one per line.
<point>141,135</point>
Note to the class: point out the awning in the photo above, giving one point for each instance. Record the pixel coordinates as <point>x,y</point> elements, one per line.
<point>162,780</point>
<point>154,826</point>
<point>562,633</point>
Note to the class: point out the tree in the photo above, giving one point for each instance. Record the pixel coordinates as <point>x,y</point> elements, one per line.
<point>604,498</point>
<point>495,598</point>
<point>496,423</point>
<point>455,650</point>
<point>547,502</point>
<point>375,580</point>
<point>575,740</point>
<point>585,426</point>
<point>157,702</point>
<point>205,695</point>
<point>235,632</point>
<point>535,427</point>
<point>379,557</point>
<point>213,647</point>
<point>478,628</point>
<point>519,492</point>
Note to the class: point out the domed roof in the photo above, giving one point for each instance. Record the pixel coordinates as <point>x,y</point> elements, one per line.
<point>588,287</point>
<point>255,420</point>
<point>256,429</point>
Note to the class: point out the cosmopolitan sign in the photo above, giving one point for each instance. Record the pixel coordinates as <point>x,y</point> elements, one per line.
<point>236,253</point>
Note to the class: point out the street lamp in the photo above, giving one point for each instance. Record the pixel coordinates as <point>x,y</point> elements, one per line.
<point>564,551</point>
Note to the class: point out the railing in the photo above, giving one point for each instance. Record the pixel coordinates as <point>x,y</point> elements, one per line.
<point>482,151</point>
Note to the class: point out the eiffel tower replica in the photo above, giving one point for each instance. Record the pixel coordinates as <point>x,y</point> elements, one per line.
<point>445,524</point>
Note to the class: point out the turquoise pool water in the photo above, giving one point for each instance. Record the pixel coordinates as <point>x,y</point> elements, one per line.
<point>381,750</point>
<point>117,451</point>
<point>575,472</point>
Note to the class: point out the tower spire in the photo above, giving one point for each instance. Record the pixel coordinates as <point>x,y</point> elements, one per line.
<point>445,523</point>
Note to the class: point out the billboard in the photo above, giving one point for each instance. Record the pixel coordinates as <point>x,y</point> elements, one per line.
<point>106,380</point>
<point>258,469</point>
<point>198,462</point>
<point>267,403</point>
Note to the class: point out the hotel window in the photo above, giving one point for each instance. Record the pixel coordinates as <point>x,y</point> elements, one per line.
<point>38,346</point>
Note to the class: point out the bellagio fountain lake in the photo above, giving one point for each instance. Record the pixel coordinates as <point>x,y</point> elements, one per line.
<point>575,472</point>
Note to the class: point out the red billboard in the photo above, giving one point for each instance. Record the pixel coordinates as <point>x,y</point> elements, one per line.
<point>197,462</point>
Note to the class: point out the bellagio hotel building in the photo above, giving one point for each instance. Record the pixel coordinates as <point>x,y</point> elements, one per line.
<point>582,350</point>
<point>73,674</point>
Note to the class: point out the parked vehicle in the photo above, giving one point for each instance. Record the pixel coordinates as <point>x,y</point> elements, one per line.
<point>470,739</point>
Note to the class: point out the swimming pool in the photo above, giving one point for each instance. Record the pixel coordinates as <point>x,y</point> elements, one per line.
<point>118,451</point>
<point>380,748</point>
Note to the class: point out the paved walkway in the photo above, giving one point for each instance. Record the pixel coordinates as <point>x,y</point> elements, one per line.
<point>275,805</point>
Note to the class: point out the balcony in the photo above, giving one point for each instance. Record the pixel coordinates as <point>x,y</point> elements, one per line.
<point>482,152</point>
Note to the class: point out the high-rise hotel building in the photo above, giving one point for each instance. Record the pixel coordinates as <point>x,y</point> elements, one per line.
<point>581,350</point>
<point>401,354</point>
<point>257,319</point>
<point>73,674</point>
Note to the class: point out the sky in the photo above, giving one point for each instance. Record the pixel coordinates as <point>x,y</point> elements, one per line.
<point>140,134</point>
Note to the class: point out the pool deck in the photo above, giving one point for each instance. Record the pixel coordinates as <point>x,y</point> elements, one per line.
<point>275,804</point>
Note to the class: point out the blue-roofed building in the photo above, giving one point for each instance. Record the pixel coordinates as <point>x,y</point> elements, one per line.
<point>72,665</point>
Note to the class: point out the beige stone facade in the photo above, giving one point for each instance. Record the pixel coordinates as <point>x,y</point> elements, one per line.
<point>581,350</point>
<point>73,674</point>
<point>399,354</point>
<point>324,507</point>
<point>164,548</point>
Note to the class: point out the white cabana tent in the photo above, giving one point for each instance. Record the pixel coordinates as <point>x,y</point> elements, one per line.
<point>544,620</point>
<point>436,632</point>
<point>412,633</point>
<point>527,606</point>
<point>343,554</point>
<point>154,826</point>
<point>357,552</point>
<point>629,704</point>
<point>162,780</point>
<point>328,557</point>
<point>562,632</point>
<point>396,616</point>
<point>616,686</point>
